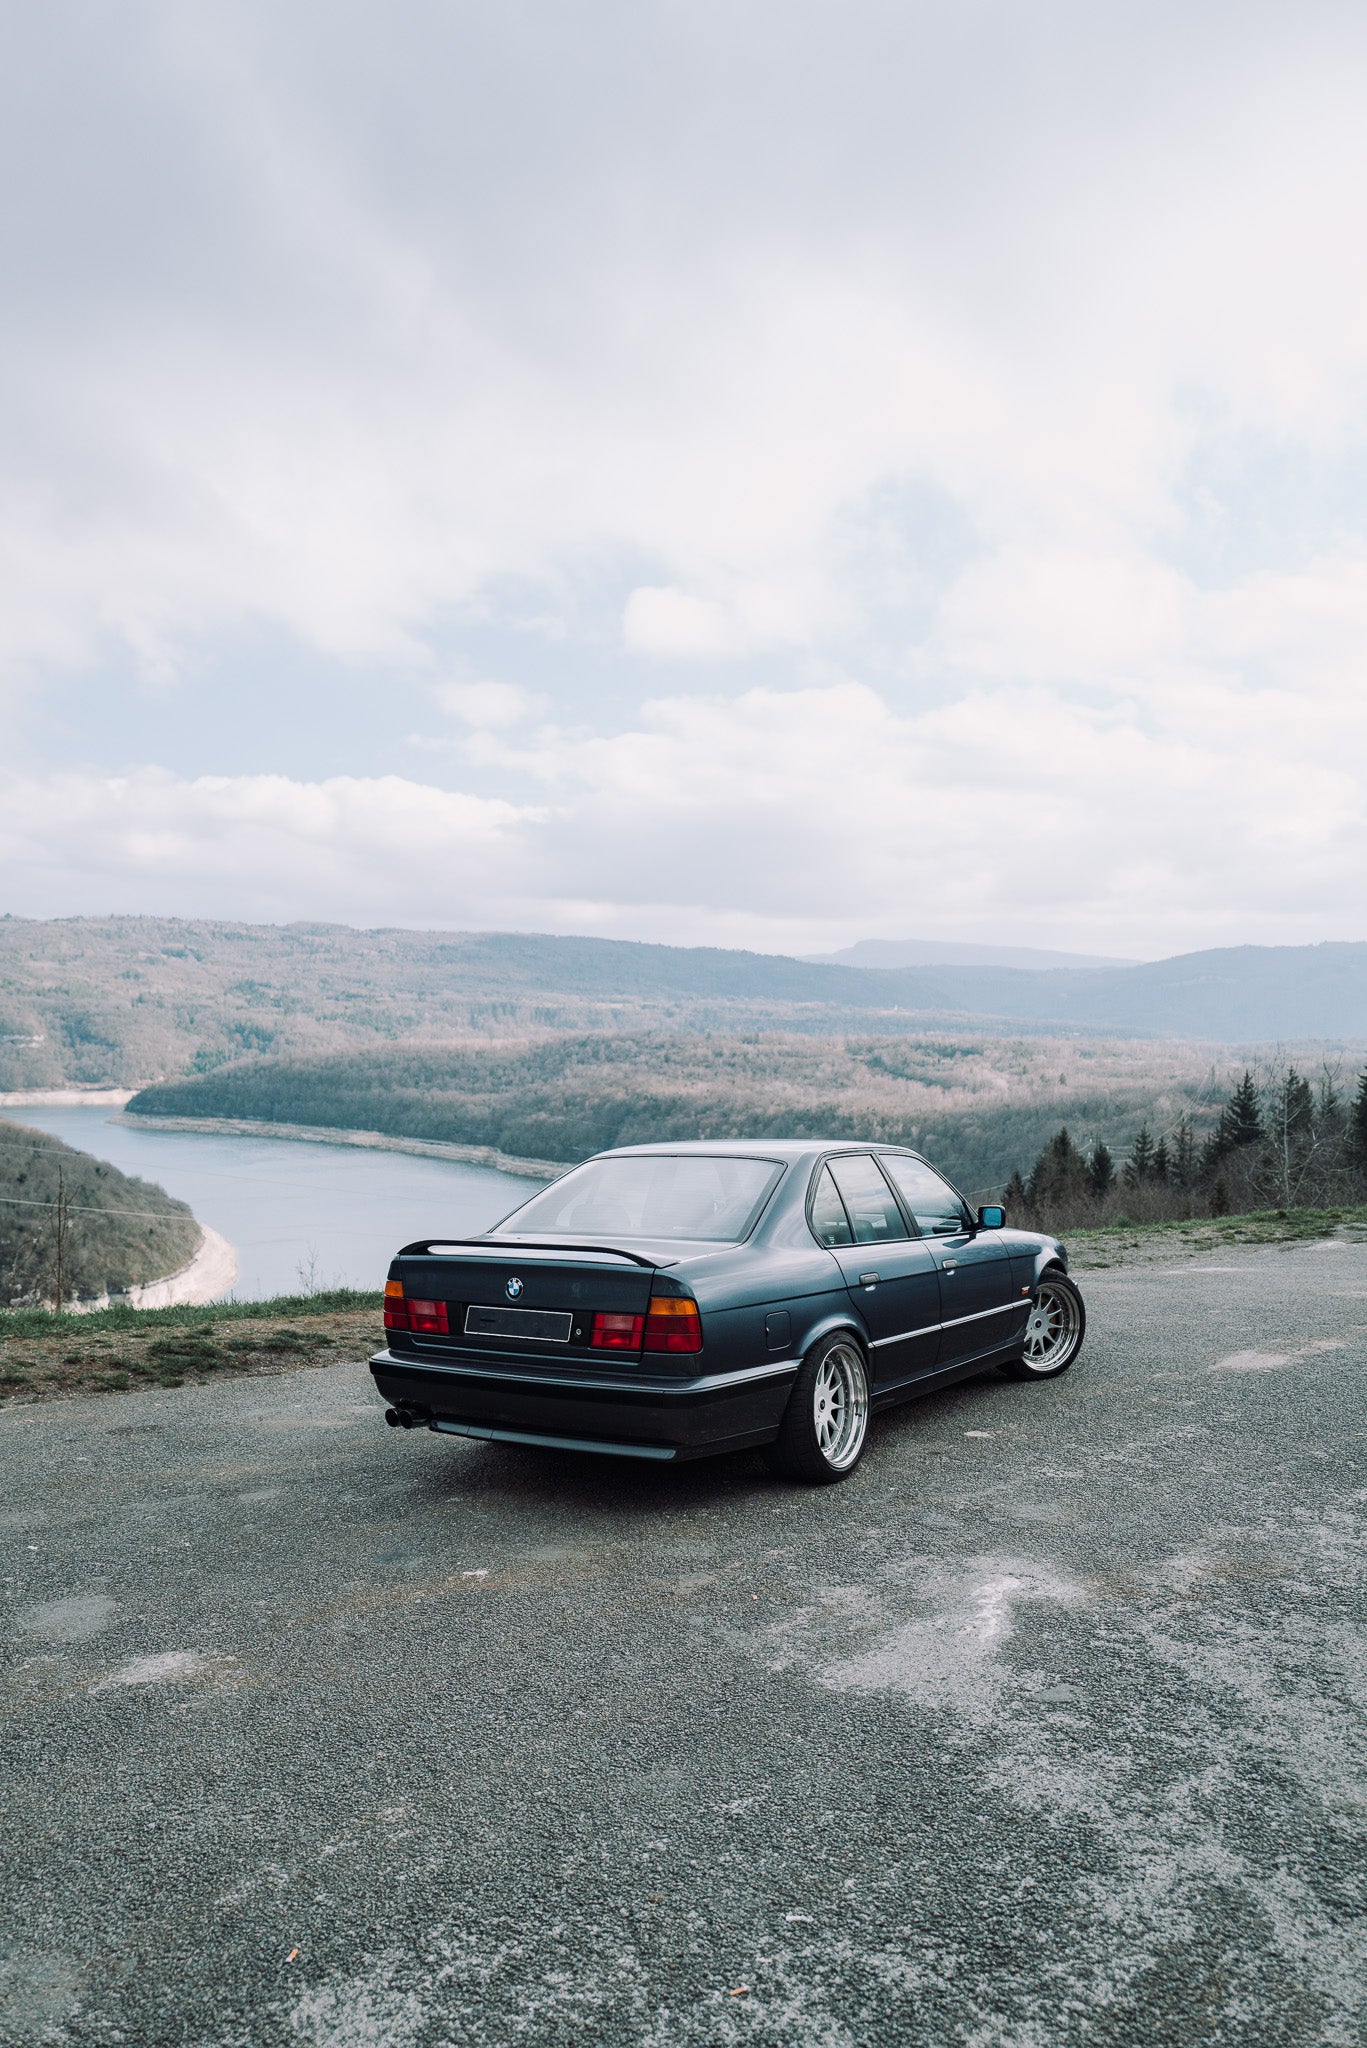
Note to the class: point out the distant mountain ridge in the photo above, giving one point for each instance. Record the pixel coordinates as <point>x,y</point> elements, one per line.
<point>897,953</point>
<point>96,1001</point>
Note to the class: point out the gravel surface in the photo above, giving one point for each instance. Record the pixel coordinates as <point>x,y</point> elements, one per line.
<point>1039,1730</point>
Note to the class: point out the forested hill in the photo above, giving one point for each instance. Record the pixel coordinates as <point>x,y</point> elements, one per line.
<point>981,1108</point>
<point>124,1000</point>
<point>115,1232</point>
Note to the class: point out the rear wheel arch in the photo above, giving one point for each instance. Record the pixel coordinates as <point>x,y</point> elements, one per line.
<point>826,1421</point>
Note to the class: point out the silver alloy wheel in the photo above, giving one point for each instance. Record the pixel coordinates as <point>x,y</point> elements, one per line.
<point>1053,1328</point>
<point>840,1406</point>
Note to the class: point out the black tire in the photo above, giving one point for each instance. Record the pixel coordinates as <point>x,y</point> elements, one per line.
<point>1053,1333</point>
<point>826,1423</point>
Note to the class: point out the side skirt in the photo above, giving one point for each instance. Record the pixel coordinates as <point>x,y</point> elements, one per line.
<point>941,1376</point>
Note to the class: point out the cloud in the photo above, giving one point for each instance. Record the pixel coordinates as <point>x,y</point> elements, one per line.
<point>939,349</point>
<point>780,819</point>
<point>488,705</point>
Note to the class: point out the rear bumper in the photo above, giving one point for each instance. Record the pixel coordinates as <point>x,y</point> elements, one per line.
<point>639,1416</point>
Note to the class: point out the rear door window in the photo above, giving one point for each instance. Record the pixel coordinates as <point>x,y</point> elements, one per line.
<point>932,1201</point>
<point>869,1201</point>
<point>829,1221</point>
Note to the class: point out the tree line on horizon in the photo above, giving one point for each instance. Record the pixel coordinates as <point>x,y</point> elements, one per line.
<point>1280,1142</point>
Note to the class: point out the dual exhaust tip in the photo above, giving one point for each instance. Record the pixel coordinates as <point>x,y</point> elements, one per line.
<point>403,1418</point>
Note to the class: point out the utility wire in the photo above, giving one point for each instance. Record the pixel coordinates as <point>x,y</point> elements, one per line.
<point>88,1209</point>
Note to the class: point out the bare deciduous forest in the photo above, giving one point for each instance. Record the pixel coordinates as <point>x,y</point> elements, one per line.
<point>1147,1127</point>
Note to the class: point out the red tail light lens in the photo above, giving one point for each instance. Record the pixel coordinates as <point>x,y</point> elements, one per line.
<point>395,1307</point>
<point>617,1333</point>
<point>428,1318</point>
<point>673,1325</point>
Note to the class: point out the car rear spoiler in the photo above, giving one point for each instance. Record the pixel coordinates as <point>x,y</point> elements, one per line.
<point>438,1244</point>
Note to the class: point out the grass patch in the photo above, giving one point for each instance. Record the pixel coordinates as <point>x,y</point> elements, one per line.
<point>104,1323</point>
<point>119,1350</point>
<point>1118,1243</point>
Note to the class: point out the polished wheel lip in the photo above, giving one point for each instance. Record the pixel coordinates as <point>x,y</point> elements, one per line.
<point>1053,1327</point>
<point>840,1406</point>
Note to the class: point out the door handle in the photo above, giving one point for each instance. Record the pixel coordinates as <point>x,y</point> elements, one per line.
<point>950,1266</point>
<point>868,1279</point>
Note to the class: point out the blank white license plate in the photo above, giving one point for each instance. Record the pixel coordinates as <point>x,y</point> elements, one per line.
<point>531,1325</point>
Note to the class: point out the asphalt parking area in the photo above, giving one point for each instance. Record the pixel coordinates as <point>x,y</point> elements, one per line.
<point>1044,1728</point>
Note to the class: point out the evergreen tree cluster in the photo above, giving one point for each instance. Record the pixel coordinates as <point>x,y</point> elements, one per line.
<point>1279,1141</point>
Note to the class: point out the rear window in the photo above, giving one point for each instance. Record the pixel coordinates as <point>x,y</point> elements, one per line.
<point>711,1199</point>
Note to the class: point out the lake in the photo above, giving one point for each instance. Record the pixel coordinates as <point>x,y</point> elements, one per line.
<point>296,1214</point>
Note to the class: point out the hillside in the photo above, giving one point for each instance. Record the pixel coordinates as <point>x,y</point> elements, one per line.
<point>119,1232</point>
<point>982,1108</point>
<point>125,1000</point>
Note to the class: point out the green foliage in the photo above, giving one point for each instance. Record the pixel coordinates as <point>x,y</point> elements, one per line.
<point>1060,1175</point>
<point>975,1109</point>
<point>1357,1126</point>
<point>1101,1171</point>
<point>37,1322</point>
<point>1139,1166</point>
<point>107,1232</point>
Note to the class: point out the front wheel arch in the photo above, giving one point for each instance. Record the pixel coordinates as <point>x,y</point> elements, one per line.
<point>1054,1331</point>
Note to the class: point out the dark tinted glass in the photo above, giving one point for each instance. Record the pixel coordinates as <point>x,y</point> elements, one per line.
<point>869,1200</point>
<point>713,1198</point>
<point>829,1220</point>
<point>932,1201</point>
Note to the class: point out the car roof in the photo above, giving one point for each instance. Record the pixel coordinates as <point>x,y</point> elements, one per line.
<point>749,1148</point>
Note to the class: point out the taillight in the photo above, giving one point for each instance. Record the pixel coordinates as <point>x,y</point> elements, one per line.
<point>395,1307</point>
<point>617,1333</point>
<point>673,1324</point>
<point>428,1318</point>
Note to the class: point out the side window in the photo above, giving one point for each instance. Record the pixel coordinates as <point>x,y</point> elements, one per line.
<point>829,1221</point>
<point>869,1200</point>
<point>932,1201</point>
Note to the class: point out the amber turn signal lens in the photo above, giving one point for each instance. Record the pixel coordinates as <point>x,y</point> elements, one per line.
<point>673,1324</point>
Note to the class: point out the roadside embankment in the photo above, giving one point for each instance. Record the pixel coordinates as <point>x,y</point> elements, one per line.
<point>46,1357</point>
<point>371,1141</point>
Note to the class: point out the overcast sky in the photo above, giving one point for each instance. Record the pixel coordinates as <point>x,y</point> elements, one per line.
<point>764,475</point>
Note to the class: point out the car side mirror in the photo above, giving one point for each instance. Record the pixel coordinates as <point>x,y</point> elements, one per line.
<point>991,1219</point>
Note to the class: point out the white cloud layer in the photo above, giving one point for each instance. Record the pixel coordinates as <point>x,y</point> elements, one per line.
<point>1008,361</point>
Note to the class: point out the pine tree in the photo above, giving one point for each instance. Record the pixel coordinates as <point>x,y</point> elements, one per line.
<point>1357,1125</point>
<point>1219,1196</point>
<point>1139,1165</point>
<point>1101,1171</point>
<point>1014,1200</point>
<point>1182,1171</point>
<point>1295,1106</point>
<point>1059,1175</point>
<point>1159,1169</point>
<point>1241,1119</point>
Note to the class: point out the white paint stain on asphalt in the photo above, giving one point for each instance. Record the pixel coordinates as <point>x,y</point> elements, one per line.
<point>947,1657</point>
<point>73,1620</point>
<point>171,1667</point>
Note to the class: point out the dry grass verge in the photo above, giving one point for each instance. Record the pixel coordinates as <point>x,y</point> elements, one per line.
<point>1131,1244</point>
<point>119,1351</point>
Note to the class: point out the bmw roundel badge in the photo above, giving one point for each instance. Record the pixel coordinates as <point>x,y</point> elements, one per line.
<point>513,1289</point>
